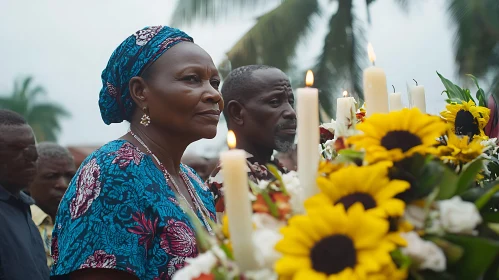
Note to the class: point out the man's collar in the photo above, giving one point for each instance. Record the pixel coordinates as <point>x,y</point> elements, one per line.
<point>6,195</point>
<point>39,216</point>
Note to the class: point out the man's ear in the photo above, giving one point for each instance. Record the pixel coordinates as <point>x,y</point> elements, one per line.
<point>138,91</point>
<point>236,112</point>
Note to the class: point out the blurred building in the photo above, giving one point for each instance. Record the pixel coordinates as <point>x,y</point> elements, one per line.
<point>81,152</point>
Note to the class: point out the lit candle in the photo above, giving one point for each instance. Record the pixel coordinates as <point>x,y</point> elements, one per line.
<point>395,100</point>
<point>238,204</point>
<point>375,91</point>
<point>307,110</point>
<point>345,109</point>
<point>418,99</point>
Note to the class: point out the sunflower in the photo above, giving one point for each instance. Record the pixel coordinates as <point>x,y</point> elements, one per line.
<point>460,150</point>
<point>334,244</point>
<point>398,135</point>
<point>368,185</point>
<point>327,167</point>
<point>466,118</point>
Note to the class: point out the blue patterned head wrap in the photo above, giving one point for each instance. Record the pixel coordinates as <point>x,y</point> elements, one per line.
<point>128,61</point>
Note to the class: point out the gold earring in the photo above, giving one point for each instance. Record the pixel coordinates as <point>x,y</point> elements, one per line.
<point>145,120</point>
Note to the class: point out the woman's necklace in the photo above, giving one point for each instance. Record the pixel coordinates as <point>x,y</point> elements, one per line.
<point>196,200</point>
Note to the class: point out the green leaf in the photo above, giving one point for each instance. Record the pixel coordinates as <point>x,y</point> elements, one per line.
<point>453,91</point>
<point>403,261</point>
<point>449,182</point>
<point>272,206</point>
<point>491,217</point>
<point>273,169</point>
<point>479,255</point>
<point>468,175</point>
<point>486,197</point>
<point>480,94</point>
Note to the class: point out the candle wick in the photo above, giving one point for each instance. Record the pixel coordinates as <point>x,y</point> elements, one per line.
<point>393,88</point>
<point>374,63</point>
<point>415,81</point>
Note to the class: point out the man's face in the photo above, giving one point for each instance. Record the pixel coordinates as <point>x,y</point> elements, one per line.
<point>17,156</point>
<point>269,115</point>
<point>51,182</point>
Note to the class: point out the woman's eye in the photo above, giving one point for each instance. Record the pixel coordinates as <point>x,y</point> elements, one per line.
<point>192,78</point>
<point>215,84</point>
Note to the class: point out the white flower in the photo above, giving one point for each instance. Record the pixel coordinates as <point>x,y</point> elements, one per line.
<point>203,263</point>
<point>458,216</point>
<point>415,215</point>
<point>329,126</point>
<point>294,189</point>
<point>262,184</point>
<point>424,253</point>
<point>265,237</point>
<point>267,274</point>
<point>490,145</point>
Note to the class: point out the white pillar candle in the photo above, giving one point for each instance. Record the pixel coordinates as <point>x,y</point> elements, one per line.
<point>418,99</point>
<point>375,91</point>
<point>345,109</point>
<point>307,110</point>
<point>395,100</point>
<point>238,204</point>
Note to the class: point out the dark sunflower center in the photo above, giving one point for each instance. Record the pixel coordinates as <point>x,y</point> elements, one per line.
<point>400,139</point>
<point>366,200</point>
<point>333,254</point>
<point>394,224</point>
<point>466,124</point>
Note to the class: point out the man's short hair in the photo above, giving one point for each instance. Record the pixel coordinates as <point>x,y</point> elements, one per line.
<point>8,117</point>
<point>50,150</point>
<point>239,83</point>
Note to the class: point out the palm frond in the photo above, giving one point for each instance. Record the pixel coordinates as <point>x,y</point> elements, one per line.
<point>338,66</point>
<point>474,41</point>
<point>275,36</point>
<point>188,11</point>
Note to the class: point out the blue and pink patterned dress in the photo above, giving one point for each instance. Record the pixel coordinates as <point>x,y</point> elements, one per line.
<point>119,213</point>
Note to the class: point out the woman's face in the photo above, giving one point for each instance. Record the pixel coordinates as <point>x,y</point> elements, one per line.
<point>181,92</point>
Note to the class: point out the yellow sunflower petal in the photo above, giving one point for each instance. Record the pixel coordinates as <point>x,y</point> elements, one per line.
<point>289,265</point>
<point>309,274</point>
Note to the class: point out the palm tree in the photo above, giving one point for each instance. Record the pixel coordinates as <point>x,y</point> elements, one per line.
<point>44,117</point>
<point>477,39</point>
<point>274,38</point>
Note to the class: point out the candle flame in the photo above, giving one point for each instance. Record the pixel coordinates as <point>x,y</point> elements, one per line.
<point>345,93</point>
<point>370,53</point>
<point>309,79</point>
<point>231,139</point>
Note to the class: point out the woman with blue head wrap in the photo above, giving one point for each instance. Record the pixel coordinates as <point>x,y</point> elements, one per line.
<point>121,216</point>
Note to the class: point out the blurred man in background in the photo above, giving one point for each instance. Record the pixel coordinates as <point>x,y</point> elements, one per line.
<point>200,164</point>
<point>55,169</point>
<point>21,248</point>
<point>259,108</point>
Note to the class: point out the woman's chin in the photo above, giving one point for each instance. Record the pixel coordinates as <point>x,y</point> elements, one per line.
<point>208,133</point>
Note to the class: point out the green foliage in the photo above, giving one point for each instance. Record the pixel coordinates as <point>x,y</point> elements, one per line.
<point>44,117</point>
<point>456,94</point>
<point>480,253</point>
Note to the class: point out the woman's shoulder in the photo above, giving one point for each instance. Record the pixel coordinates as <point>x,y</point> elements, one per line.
<point>118,152</point>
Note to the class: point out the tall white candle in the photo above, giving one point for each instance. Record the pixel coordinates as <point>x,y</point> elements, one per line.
<point>238,204</point>
<point>375,91</point>
<point>307,110</point>
<point>395,100</point>
<point>345,109</point>
<point>418,99</point>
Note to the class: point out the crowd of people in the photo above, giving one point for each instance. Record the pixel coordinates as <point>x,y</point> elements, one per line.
<point>121,215</point>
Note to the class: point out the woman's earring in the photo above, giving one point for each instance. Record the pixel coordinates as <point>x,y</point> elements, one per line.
<point>145,120</point>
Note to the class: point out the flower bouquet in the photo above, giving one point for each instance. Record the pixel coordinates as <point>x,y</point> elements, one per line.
<point>406,196</point>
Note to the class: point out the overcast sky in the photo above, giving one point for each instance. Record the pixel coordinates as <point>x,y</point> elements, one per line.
<point>66,44</point>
